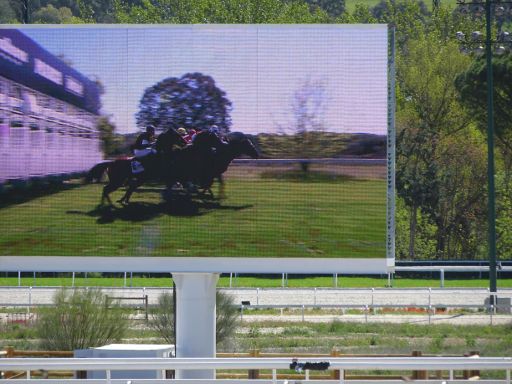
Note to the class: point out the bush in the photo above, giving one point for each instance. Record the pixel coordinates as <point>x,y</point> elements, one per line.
<point>81,319</point>
<point>227,317</point>
<point>162,317</point>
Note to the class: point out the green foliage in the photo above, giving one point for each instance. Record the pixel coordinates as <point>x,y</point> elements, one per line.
<point>80,319</point>
<point>7,13</point>
<point>162,317</point>
<point>503,216</point>
<point>191,101</point>
<point>217,11</point>
<point>110,143</point>
<point>52,15</point>
<point>472,86</point>
<point>227,317</point>
<point>334,8</point>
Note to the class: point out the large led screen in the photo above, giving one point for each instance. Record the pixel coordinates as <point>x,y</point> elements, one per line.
<point>195,140</point>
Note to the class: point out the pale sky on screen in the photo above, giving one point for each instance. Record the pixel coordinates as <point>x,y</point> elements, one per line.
<point>259,67</point>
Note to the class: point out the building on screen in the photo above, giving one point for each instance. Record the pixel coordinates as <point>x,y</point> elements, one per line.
<point>48,113</point>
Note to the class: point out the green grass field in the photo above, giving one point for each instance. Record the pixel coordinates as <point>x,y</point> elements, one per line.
<point>338,217</point>
<point>254,282</point>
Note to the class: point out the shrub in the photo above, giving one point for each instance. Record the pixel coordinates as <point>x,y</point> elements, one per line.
<point>162,317</point>
<point>81,319</point>
<point>227,317</point>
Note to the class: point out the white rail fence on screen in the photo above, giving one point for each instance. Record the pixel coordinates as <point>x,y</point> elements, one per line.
<point>447,364</point>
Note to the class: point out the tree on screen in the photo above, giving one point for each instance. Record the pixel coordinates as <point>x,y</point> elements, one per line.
<point>190,101</point>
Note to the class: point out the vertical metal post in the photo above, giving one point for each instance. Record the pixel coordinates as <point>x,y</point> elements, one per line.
<point>314,296</point>
<point>124,280</point>
<point>257,296</point>
<point>442,278</point>
<point>231,280</point>
<point>282,280</point>
<point>29,299</point>
<point>73,279</point>
<point>490,156</point>
<point>19,278</point>
<point>335,280</point>
<point>342,376</point>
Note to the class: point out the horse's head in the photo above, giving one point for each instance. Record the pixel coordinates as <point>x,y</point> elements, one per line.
<point>206,139</point>
<point>166,140</point>
<point>242,145</point>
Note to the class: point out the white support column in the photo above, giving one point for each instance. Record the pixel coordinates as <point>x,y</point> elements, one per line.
<point>195,320</point>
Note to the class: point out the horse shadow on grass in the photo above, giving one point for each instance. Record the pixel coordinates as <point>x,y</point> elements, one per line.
<point>143,211</point>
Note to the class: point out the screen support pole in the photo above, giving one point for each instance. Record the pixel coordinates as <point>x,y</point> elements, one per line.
<point>195,320</point>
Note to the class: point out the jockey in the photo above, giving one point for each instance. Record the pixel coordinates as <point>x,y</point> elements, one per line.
<point>186,136</point>
<point>143,147</point>
<point>144,144</point>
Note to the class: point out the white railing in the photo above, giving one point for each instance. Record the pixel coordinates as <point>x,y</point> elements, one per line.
<point>449,364</point>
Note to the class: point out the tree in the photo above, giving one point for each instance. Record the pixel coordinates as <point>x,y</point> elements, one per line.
<point>80,319</point>
<point>334,8</point>
<point>429,170</point>
<point>191,101</point>
<point>52,15</point>
<point>162,317</point>
<point>217,11</point>
<point>7,13</point>
<point>109,141</point>
<point>472,87</point>
<point>308,106</point>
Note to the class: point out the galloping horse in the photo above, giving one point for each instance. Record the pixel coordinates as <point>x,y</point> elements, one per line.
<point>238,144</point>
<point>120,171</point>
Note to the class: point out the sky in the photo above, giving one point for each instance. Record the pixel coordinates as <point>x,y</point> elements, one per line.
<point>260,67</point>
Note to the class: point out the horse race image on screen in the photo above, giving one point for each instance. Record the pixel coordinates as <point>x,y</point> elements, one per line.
<point>195,141</point>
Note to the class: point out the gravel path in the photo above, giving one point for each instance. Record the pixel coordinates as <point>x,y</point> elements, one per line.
<point>10,296</point>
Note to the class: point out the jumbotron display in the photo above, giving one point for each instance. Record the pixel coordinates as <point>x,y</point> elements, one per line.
<point>196,141</point>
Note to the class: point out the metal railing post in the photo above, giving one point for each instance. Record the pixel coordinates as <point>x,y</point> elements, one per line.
<point>257,296</point>
<point>29,300</point>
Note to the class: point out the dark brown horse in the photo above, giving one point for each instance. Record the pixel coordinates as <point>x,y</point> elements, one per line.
<point>238,144</point>
<point>120,171</point>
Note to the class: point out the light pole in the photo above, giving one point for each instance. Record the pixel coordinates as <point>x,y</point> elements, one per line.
<point>477,7</point>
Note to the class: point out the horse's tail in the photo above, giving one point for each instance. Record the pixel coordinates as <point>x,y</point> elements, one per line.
<point>97,172</point>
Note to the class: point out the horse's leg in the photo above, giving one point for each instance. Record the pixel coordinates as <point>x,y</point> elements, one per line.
<point>107,189</point>
<point>132,186</point>
<point>222,187</point>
